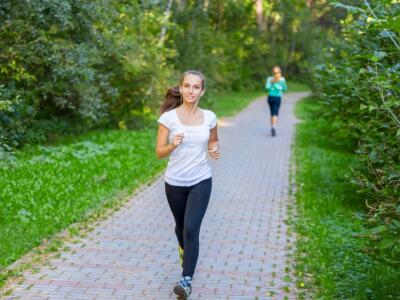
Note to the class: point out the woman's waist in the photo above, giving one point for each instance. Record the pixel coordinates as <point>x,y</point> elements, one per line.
<point>274,97</point>
<point>189,173</point>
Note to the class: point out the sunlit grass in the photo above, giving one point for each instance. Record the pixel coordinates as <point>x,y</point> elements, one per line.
<point>294,87</point>
<point>50,187</point>
<point>230,103</point>
<point>332,263</point>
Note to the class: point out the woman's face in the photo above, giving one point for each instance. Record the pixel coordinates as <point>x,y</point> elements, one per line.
<point>192,88</point>
<point>276,72</point>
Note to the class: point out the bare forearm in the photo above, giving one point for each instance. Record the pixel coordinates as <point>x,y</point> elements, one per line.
<point>164,151</point>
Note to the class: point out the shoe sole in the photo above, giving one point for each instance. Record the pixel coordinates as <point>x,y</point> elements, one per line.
<point>181,292</point>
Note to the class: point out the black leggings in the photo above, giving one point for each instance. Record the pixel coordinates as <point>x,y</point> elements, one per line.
<point>188,205</point>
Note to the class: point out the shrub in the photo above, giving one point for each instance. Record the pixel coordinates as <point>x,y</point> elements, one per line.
<point>359,83</point>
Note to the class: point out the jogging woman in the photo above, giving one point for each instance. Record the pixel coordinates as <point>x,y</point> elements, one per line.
<point>184,132</point>
<point>275,85</point>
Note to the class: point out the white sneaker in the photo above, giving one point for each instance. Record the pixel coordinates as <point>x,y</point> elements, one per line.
<point>183,289</point>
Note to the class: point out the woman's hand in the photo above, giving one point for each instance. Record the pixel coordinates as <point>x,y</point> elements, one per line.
<point>213,150</point>
<point>177,139</point>
<point>164,147</point>
<point>276,79</point>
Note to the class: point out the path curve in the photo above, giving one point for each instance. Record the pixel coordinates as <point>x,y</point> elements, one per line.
<point>244,243</point>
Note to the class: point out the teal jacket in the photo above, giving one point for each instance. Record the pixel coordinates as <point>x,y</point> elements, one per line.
<point>276,88</point>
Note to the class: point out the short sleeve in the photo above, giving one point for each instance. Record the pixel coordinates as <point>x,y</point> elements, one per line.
<point>165,120</point>
<point>213,120</point>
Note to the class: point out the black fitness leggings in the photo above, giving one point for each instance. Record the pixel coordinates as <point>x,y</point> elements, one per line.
<point>188,205</point>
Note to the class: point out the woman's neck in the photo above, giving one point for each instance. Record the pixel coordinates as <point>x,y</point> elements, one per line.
<point>188,108</point>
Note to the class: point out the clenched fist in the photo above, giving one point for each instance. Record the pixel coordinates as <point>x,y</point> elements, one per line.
<point>177,139</point>
<point>213,150</point>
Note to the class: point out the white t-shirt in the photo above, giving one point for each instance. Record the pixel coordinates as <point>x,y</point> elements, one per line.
<point>188,163</point>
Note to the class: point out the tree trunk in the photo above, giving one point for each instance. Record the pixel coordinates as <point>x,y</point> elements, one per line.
<point>260,15</point>
<point>206,4</point>
<point>166,17</point>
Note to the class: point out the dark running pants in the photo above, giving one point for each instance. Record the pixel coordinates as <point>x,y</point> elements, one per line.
<point>274,103</point>
<point>188,205</point>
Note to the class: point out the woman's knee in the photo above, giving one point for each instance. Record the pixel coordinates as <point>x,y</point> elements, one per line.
<point>190,233</point>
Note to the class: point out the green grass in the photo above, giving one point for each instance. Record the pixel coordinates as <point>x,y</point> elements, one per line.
<point>332,262</point>
<point>50,187</point>
<point>228,104</point>
<point>45,188</point>
<point>294,87</point>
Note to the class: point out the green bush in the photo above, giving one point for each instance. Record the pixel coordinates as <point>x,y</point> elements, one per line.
<point>332,261</point>
<point>359,83</point>
<point>47,62</point>
<point>75,62</point>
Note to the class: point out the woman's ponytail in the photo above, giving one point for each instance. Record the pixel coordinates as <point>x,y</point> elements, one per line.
<point>172,99</point>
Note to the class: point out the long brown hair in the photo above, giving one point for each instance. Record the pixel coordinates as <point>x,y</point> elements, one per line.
<point>173,97</point>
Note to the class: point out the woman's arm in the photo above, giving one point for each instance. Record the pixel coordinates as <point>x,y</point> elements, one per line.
<point>284,86</point>
<point>268,83</point>
<point>213,149</point>
<point>163,148</point>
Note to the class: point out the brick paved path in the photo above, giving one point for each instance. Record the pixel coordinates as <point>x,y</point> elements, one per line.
<point>243,247</point>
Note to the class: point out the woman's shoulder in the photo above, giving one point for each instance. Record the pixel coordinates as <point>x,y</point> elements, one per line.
<point>168,113</point>
<point>171,111</point>
<point>167,117</point>
<point>208,113</point>
<point>210,117</point>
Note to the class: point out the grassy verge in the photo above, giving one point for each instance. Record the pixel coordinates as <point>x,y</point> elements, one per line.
<point>332,263</point>
<point>294,87</point>
<point>49,187</point>
<point>45,188</point>
<point>226,105</point>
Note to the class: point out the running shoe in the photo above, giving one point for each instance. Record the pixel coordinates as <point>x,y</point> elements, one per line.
<point>183,289</point>
<point>273,132</point>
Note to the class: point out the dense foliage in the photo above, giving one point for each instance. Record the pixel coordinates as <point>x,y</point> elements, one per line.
<point>69,66</point>
<point>69,62</point>
<point>331,258</point>
<point>359,82</point>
